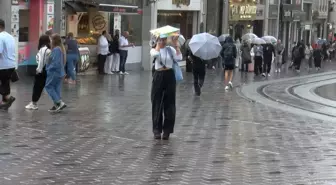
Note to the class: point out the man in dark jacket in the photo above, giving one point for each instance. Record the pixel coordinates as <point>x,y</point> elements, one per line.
<point>268,53</point>
<point>229,55</point>
<point>198,67</point>
<point>298,54</point>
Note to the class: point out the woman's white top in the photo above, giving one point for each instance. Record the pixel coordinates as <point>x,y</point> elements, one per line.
<point>42,58</point>
<point>103,45</point>
<point>163,57</point>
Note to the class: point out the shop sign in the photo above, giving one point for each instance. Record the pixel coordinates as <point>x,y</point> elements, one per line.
<point>243,12</point>
<point>98,22</point>
<point>273,12</point>
<point>120,10</point>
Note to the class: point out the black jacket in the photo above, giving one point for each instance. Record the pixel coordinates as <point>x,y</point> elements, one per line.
<point>197,62</point>
<point>114,45</point>
<point>268,50</point>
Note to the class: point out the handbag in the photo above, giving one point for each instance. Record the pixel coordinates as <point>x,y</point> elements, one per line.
<point>177,69</point>
<point>15,76</point>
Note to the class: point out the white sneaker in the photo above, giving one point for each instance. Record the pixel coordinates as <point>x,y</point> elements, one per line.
<point>264,75</point>
<point>121,73</point>
<point>279,70</point>
<point>126,73</point>
<point>31,106</point>
<point>61,106</point>
<point>269,75</point>
<point>230,85</point>
<point>110,73</point>
<point>276,70</point>
<point>227,88</point>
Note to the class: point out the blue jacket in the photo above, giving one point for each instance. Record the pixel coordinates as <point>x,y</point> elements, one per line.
<point>55,66</point>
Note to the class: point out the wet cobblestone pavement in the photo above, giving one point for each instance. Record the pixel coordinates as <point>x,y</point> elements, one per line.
<point>104,137</point>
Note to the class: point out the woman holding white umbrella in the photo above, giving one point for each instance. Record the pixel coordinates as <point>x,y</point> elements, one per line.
<point>163,94</point>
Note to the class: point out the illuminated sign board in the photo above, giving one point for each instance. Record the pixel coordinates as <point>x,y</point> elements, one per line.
<point>243,12</point>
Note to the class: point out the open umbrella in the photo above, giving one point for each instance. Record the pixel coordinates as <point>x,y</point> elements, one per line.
<point>270,39</point>
<point>165,31</point>
<point>258,41</point>
<point>181,40</point>
<point>223,37</point>
<point>205,46</point>
<point>321,41</point>
<point>249,36</point>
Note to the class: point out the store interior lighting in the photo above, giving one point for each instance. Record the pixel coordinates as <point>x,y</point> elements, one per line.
<point>119,6</point>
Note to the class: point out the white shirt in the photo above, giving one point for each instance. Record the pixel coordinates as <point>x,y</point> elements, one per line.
<point>103,46</point>
<point>42,58</point>
<point>123,42</point>
<point>7,51</point>
<point>163,57</point>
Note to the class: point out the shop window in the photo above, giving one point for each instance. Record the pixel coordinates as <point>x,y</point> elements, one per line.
<point>23,27</point>
<point>132,24</point>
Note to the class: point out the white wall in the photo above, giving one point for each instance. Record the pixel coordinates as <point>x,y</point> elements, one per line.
<point>195,5</point>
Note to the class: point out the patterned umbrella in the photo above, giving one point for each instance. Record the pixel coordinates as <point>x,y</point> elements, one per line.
<point>165,31</point>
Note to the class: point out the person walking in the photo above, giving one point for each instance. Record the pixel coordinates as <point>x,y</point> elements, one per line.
<point>298,54</point>
<point>318,57</point>
<point>55,73</point>
<point>229,55</point>
<point>199,71</point>
<point>279,49</point>
<point>123,51</point>
<point>246,56</point>
<point>268,53</point>
<point>41,74</point>
<point>72,57</point>
<point>7,65</point>
<point>309,56</point>
<point>109,58</point>
<point>258,58</point>
<point>114,50</point>
<point>103,50</point>
<point>163,93</point>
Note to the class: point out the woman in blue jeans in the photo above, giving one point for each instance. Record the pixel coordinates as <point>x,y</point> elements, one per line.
<point>55,73</point>
<point>72,54</point>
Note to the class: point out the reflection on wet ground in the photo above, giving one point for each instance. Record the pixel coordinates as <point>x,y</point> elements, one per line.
<point>327,91</point>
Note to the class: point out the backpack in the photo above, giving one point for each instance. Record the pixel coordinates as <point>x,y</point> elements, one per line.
<point>228,53</point>
<point>296,52</point>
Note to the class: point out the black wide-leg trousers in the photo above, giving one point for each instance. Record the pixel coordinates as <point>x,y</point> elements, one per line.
<point>199,76</point>
<point>163,98</point>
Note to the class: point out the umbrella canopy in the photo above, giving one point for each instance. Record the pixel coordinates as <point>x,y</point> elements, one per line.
<point>258,41</point>
<point>165,31</point>
<point>205,46</point>
<point>181,40</point>
<point>321,41</point>
<point>223,37</point>
<point>249,36</point>
<point>269,39</point>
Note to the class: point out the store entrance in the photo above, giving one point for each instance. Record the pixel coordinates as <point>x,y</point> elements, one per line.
<point>179,19</point>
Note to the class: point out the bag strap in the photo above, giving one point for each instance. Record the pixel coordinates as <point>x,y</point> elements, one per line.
<point>171,54</point>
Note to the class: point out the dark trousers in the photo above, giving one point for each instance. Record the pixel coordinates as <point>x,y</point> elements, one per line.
<point>257,65</point>
<point>267,65</point>
<point>199,75</point>
<point>317,62</point>
<point>297,63</point>
<point>244,66</point>
<point>163,97</point>
<point>101,63</point>
<point>39,83</point>
<point>123,57</point>
<point>5,77</point>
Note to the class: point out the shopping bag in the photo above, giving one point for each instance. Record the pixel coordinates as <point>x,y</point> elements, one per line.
<point>178,72</point>
<point>251,66</point>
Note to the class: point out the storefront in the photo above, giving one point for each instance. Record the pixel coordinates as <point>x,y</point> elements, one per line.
<point>185,14</point>
<point>87,22</point>
<point>241,17</point>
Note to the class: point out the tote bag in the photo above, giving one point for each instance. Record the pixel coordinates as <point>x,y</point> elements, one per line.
<point>177,69</point>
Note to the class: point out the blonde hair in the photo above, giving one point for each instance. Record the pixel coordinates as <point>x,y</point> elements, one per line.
<point>56,41</point>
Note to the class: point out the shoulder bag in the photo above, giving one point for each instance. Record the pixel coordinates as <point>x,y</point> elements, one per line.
<point>177,69</point>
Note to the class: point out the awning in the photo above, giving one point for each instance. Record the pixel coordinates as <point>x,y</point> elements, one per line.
<point>119,8</point>
<point>76,7</point>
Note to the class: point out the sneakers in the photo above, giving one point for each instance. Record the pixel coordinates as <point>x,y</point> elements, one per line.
<point>31,106</point>
<point>227,88</point>
<point>276,70</point>
<point>58,107</point>
<point>230,85</point>
<point>264,75</point>
<point>123,73</point>
<point>6,105</point>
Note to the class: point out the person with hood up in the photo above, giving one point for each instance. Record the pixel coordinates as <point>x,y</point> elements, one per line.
<point>229,55</point>
<point>246,56</point>
<point>257,50</point>
<point>298,54</point>
<point>268,53</point>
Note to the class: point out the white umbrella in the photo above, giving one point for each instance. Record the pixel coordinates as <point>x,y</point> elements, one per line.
<point>223,37</point>
<point>270,39</point>
<point>205,46</point>
<point>249,36</point>
<point>258,41</point>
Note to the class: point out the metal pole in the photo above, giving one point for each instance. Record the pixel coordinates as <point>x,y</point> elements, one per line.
<point>278,20</point>
<point>57,16</point>
<point>225,15</point>
<point>266,16</point>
